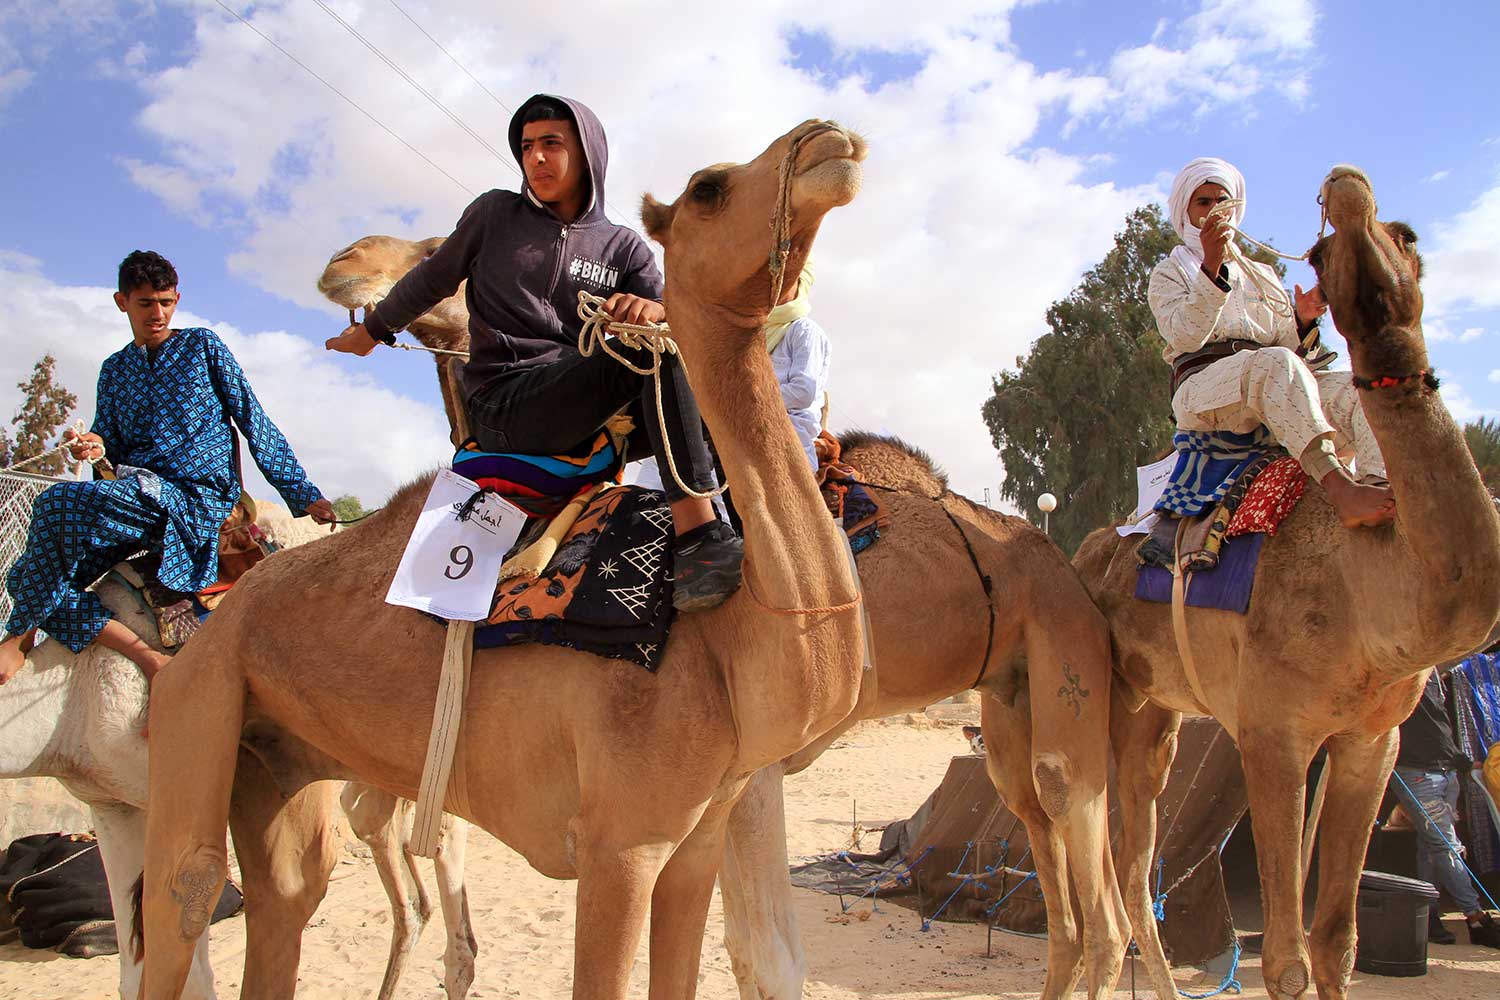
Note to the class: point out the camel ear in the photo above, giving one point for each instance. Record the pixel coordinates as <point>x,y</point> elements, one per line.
<point>656,217</point>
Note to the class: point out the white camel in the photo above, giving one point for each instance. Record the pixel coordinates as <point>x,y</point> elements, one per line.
<point>78,718</point>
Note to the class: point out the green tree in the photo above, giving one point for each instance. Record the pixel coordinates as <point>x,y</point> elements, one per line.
<point>44,408</point>
<point>1483,437</point>
<point>1091,400</point>
<point>348,507</point>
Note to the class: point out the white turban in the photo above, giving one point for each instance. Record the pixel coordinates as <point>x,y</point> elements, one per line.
<point>1203,170</point>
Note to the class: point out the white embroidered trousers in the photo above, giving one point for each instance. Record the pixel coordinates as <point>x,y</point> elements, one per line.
<point>1316,416</point>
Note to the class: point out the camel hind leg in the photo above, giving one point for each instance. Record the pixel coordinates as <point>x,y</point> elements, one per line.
<point>197,710</point>
<point>1007,741</point>
<point>378,819</point>
<point>760,921</point>
<point>461,947</point>
<point>287,847</point>
<point>1145,742</point>
<point>1070,672</point>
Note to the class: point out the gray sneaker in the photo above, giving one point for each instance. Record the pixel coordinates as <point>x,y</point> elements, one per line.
<point>706,566</point>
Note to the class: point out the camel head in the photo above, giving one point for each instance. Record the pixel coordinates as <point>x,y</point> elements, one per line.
<point>1370,272</point>
<point>719,234</point>
<point>361,274</point>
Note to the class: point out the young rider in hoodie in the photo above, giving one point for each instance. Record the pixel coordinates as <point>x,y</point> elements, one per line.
<point>526,387</point>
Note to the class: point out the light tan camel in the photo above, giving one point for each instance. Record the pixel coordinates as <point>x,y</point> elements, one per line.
<point>930,612</point>
<point>361,274</point>
<point>1340,632</point>
<point>620,778</point>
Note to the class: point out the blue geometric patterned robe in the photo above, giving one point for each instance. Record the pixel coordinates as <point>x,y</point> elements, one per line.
<point>164,419</point>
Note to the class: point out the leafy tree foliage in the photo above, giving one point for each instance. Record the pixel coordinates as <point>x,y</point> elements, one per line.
<point>44,408</point>
<point>1483,437</point>
<point>1091,400</point>
<point>348,507</point>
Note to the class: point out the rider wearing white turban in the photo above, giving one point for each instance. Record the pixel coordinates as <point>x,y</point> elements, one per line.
<point>1234,340</point>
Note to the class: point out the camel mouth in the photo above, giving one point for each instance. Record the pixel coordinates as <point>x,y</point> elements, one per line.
<point>352,292</point>
<point>1348,197</point>
<point>828,171</point>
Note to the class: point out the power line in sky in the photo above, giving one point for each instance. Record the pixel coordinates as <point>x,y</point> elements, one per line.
<point>346,98</point>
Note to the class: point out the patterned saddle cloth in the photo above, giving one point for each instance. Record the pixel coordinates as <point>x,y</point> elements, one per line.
<point>1221,547</point>
<point>607,587</point>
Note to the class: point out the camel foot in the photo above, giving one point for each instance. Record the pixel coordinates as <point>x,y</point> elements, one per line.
<point>1290,983</point>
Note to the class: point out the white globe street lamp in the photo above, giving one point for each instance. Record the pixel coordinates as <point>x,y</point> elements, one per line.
<point>1046,503</point>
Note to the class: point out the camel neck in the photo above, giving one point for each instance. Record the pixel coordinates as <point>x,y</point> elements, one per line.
<point>794,556</point>
<point>798,674</point>
<point>1447,536</point>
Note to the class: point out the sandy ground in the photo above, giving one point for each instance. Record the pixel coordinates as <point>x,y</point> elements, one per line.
<point>525,921</point>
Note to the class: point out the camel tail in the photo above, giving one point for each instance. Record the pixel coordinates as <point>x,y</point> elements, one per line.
<point>137,931</point>
<point>197,712</point>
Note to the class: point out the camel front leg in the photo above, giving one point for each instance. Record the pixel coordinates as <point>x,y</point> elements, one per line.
<point>1276,762</point>
<point>760,924</point>
<point>459,952</point>
<point>1007,741</point>
<point>615,881</point>
<point>286,849</point>
<point>1359,769</point>
<point>1145,742</point>
<point>679,907</point>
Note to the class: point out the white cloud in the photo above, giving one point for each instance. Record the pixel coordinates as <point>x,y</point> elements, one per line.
<point>1495,375</point>
<point>965,232</point>
<point>352,435</point>
<point>1463,406</point>
<point>1437,175</point>
<point>1462,258</point>
<point>1228,52</point>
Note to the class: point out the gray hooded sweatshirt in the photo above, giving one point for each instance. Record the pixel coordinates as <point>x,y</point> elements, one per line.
<point>525,267</point>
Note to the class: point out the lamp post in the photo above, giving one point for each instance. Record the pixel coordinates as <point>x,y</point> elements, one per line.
<point>1046,503</point>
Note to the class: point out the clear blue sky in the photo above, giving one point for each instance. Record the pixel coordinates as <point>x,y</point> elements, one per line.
<point>1008,144</point>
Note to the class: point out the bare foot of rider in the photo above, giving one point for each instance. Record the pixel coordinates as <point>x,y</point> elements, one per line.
<point>13,654</point>
<point>1358,504</point>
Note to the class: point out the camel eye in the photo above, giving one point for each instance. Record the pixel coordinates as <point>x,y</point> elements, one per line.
<point>1406,234</point>
<point>706,192</point>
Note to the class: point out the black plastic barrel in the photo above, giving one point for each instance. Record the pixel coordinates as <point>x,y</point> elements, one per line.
<point>1391,915</point>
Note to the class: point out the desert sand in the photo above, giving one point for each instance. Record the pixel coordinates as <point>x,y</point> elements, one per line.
<point>524,921</point>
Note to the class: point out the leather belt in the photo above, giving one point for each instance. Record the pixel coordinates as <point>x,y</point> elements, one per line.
<point>1196,361</point>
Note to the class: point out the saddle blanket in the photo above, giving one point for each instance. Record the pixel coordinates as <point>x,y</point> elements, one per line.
<point>608,588</point>
<point>1223,564</point>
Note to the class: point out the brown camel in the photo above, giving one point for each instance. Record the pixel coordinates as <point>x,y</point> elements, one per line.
<point>1341,630</point>
<point>617,777</point>
<point>930,613</point>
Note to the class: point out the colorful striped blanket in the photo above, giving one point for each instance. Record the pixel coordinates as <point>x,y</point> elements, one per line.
<point>1208,464</point>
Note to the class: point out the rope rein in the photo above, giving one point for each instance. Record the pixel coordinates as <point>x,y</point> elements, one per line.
<point>1270,289</point>
<point>78,430</point>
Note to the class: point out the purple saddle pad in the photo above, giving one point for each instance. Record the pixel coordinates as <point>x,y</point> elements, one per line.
<point>1226,587</point>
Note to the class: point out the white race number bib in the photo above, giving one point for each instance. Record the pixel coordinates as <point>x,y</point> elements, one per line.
<point>451,564</point>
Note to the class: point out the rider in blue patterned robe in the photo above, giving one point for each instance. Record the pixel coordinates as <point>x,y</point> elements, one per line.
<point>165,403</point>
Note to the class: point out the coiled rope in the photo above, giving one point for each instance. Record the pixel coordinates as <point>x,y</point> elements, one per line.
<point>64,445</point>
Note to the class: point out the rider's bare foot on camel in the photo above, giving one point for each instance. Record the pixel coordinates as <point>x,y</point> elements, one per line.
<point>11,658</point>
<point>1358,504</point>
<point>13,654</point>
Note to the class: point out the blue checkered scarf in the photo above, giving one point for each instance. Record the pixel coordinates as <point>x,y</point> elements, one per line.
<point>1208,463</point>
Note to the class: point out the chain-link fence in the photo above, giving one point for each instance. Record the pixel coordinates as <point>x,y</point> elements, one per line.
<point>17,493</point>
